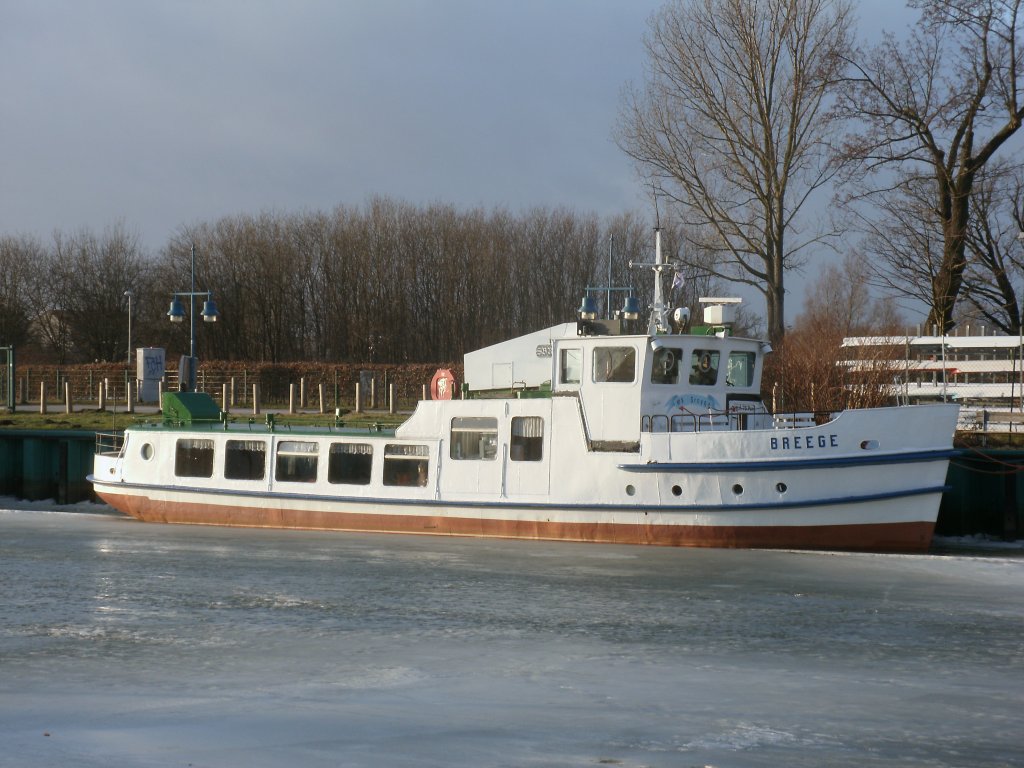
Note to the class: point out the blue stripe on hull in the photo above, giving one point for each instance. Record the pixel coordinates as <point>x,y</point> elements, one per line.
<point>789,464</point>
<point>349,500</point>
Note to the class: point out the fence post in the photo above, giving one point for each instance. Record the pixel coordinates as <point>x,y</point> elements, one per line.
<point>320,388</point>
<point>102,404</point>
<point>255,398</point>
<point>359,402</point>
<point>291,398</point>
<point>128,395</point>
<point>42,397</point>
<point>302,392</point>
<point>68,407</point>
<point>226,407</point>
<point>391,398</point>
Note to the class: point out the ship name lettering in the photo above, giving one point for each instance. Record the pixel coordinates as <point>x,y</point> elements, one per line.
<point>803,442</point>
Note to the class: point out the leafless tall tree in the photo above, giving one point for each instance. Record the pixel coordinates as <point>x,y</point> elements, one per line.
<point>934,110</point>
<point>730,127</point>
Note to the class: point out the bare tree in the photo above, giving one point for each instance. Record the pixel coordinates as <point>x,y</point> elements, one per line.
<point>730,128</point>
<point>20,259</point>
<point>902,245</point>
<point>992,279</point>
<point>935,108</point>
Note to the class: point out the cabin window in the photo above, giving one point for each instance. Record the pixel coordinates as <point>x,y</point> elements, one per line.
<point>350,463</point>
<point>704,367</point>
<point>193,458</point>
<point>665,365</point>
<point>614,364</point>
<point>570,366</point>
<point>296,461</point>
<point>245,460</point>
<point>527,438</point>
<point>405,464</point>
<point>474,437</point>
<point>741,369</point>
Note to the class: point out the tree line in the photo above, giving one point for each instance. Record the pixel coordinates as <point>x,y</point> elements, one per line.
<point>384,282</point>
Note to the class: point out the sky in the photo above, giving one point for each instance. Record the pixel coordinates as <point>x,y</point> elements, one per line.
<point>160,115</point>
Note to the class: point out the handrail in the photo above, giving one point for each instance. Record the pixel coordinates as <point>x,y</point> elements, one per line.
<point>109,443</point>
<point>729,421</point>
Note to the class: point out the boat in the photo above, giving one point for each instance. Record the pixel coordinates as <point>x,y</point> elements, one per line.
<point>624,429</point>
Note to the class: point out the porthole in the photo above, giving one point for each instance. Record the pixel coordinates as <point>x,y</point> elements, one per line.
<point>869,445</point>
<point>147,451</point>
<point>737,489</point>
<point>677,491</point>
<point>630,490</point>
<point>781,487</point>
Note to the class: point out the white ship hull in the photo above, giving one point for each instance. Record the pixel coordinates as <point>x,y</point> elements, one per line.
<point>834,486</point>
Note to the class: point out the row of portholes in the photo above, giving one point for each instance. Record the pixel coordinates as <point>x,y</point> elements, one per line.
<point>780,487</point>
<point>737,489</point>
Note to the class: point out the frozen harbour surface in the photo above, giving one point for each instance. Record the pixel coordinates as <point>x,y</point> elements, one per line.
<point>132,644</point>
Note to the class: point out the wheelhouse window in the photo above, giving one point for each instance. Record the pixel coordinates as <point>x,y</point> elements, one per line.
<point>193,457</point>
<point>741,369</point>
<point>296,461</point>
<point>474,437</point>
<point>406,464</point>
<point>665,365</point>
<point>350,463</point>
<point>704,367</point>
<point>527,438</point>
<point>570,366</point>
<point>614,364</point>
<point>245,460</point>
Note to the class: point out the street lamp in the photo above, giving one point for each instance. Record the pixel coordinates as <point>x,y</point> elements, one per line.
<point>129,294</point>
<point>176,314</point>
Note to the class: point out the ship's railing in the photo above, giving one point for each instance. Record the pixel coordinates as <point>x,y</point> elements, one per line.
<point>723,421</point>
<point>109,443</point>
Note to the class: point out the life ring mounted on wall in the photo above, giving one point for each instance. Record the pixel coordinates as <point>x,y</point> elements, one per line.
<point>442,386</point>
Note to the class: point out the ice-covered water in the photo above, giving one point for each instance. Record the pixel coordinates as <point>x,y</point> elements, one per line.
<point>131,644</point>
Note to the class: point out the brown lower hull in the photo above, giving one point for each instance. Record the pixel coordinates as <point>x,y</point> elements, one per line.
<point>873,537</point>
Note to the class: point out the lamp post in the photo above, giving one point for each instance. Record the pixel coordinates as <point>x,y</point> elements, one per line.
<point>129,294</point>
<point>176,314</point>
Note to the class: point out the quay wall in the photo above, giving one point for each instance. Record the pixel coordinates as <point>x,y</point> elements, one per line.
<point>38,464</point>
<point>986,495</point>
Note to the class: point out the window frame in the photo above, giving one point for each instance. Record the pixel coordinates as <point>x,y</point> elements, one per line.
<point>196,454</point>
<point>287,449</point>
<point>363,475</point>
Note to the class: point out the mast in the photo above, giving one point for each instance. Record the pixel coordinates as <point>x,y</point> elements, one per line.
<point>659,309</point>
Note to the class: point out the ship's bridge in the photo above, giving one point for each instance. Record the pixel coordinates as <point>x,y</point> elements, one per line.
<point>627,383</point>
<point>658,383</point>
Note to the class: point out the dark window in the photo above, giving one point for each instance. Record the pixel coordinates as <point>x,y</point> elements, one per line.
<point>614,364</point>
<point>741,369</point>
<point>474,437</point>
<point>704,367</point>
<point>527,438</point>
<point>571,366</point>
<point>665,365</point>
<point>405,464</point>
<point>296,461</point>
<point>350,463</point>
<point>245,460</point>
<point>193,458</point>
